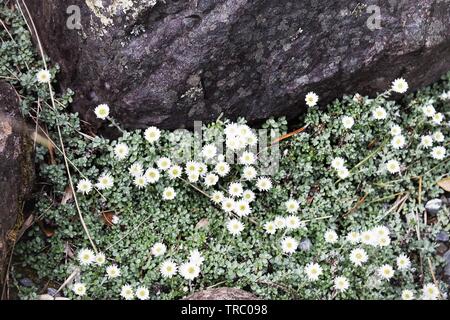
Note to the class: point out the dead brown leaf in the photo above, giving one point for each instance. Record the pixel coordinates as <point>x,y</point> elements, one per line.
<point>107,217</point>
<point>203,223</point>
<point>68,195</point>
<point>68,250</point>
<point>445,184</point>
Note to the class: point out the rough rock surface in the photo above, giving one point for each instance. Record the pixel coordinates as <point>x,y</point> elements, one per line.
<point>16,169</point>
<point>173,62</point>
<point>222,294</point>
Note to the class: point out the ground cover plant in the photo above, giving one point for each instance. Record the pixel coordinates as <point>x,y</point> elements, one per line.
<point>334,210</point>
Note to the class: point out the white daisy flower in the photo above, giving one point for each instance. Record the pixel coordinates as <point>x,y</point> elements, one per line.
<point>270,227</point>
<point>313,271</point>
<point>393,166</point>
<point>140,182</point>
<point>86,257</point>
<point>343,173</point>
<point>292,222</point>
<point>338,163</point>
<point>348,122</point>
<point>244,131</point>
<point>311,99</point>
<point>222,169</point>
<point>100,258</point>
<point>105,182</point>
<point>43,76</point>
<point>152,134</point>
<point>398,142</point>
<point>399,85</point>
<point>113,271</point>
<point>341,284</point>
<point>292,206</point>
<point>331,236</point>
<point>136,169</point>
<point>241,142</point>
<point>175,171</point>
<point>438,153</point>
<point>169,193</point>
<point>252,139</point>
<point>403,262</point>
<point>164,163</point>
<point>382,241</point>
<point>242,208</point>
<point>121,151</point>
<point>249,173</point>
<point>358,256</point>
<point>437,118</point>
<point>426,141</point>
<point>168,269</point>
<point>396,130</point>
<point>152,175</point>
<point>193,177</point>
<point>428,110</point>
<point>231,129</point>
<point>379,113</point>
<point>235,189</point>
<point>247,158</point>
<point>386,272</point>
<point>192,167</point>
<point>353,237</point>
<point>202,169</point>
<point>289,245</point>
<point>369,238</point>
<point>142,293</point>
<point>209,151</point>
<point>407,294</point>
<point>233,144</point>
<point>211,179</point>
<point>189,271</point>
<point>127,292</point>
<point>438,136</point>
<point>430,292</point>
<point>235,227</point>
<point>84,186</point>
<point>280,222</point>
<point>248,196</point>
<point>217,197</point>
<point>158,249</point>
<point>228,204</point>
<point>381,231</point>
<point>102,111</point>
<point>264,184</point>
<point>196,257</point>
<point>79,289</point>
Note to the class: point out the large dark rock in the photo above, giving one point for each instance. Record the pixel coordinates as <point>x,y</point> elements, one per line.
<point>16,171</point>
<point>222,294</point>
<point>180,61</point>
